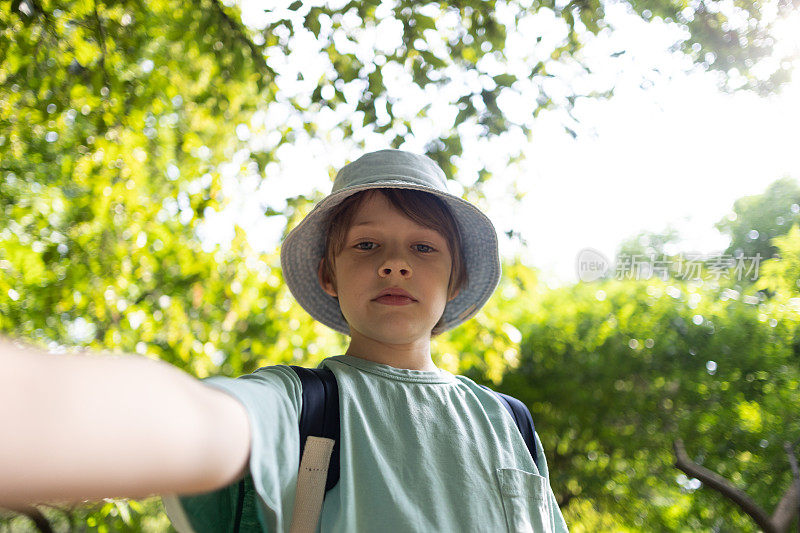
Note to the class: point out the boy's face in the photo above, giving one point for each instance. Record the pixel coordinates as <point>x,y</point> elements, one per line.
<point>383,249</point>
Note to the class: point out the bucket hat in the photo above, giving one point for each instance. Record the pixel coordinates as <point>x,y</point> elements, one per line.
<point>304,246</point>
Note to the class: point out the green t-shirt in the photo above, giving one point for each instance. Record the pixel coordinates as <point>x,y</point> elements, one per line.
<point>419,451</point>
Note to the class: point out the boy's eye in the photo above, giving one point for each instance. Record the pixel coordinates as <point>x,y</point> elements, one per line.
<point>369,245</point>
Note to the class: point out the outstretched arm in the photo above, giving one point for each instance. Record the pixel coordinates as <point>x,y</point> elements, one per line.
<point>82,427</point>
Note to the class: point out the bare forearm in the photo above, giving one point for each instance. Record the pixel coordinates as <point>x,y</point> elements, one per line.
<point>79,426</point>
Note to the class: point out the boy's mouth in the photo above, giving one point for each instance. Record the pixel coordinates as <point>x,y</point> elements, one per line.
<point>394,296</point>
<point>394,300</point>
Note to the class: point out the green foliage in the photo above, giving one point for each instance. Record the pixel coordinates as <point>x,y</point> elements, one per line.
<point>615,371</point>
<point>106,516</point>
<point>648,243</point>
<point>728,37</point>
<point>114,120</point>
<point>783,277</point>
<point>453,59</point>
<point>759,218</point>
<point>757,226</point>
<point>487,346</point>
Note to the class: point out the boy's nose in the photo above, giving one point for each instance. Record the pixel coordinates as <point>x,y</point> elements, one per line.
<point>398,266</point>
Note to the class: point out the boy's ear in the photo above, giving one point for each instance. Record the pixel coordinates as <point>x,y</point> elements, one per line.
<point>326,285</point>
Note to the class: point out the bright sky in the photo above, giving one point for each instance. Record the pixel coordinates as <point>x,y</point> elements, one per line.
<point>677,152</point>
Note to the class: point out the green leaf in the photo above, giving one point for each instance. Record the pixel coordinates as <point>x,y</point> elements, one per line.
<point>505,80</point>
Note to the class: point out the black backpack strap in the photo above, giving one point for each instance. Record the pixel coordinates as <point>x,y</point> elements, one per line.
<point>319,416</point>
<point>522,418</point>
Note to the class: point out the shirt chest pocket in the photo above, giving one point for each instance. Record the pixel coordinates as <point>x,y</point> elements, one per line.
<point>525,502</point>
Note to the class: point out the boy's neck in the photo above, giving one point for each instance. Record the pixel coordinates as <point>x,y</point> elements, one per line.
<point>415,356</point>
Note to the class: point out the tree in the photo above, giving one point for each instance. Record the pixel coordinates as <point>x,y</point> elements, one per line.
<point>616,371</point>
<point>113,124</point>
<point>782,277</point>
<point>754,228</point>
<point>778,522</point>
<point>648,243</point>
<point>756,220</point>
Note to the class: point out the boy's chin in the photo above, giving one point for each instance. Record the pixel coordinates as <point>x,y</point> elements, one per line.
<point>392,334</point>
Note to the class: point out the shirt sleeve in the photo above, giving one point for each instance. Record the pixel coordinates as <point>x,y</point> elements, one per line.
<point>556,518</point>
<point>272,397</point>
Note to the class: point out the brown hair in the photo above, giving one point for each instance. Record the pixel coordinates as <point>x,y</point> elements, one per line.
<point>423,208</point>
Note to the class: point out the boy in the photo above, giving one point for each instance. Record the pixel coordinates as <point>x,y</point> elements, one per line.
<point>391,259</point>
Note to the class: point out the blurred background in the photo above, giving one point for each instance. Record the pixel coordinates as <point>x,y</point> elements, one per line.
<point>638,158</point>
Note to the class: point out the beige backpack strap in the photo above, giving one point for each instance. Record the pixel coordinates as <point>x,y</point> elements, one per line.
<point>311,484</point>
<point>176,514</point>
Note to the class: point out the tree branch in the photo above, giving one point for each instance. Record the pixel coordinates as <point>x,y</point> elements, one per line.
<point>101,38</point>
<point>787,507</point>
<point>790,502</point>
<point>255,54</point>
<point>723,486</point>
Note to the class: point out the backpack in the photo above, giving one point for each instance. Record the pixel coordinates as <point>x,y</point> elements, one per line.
<point>234,508</point>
